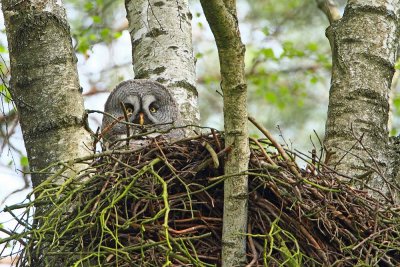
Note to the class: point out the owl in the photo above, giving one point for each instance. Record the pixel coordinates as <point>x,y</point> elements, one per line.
<point>148,106</point>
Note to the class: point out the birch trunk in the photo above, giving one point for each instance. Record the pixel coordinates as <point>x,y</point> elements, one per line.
<point>221,16</point>
<point>161,35</point>
<point>44,83</point>
<point>364,47</point>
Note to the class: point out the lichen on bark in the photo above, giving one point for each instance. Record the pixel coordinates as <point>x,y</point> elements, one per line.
<point>161,37</point>
<point>221,16</point>
<point>364,47</point>
<point>44,83</point>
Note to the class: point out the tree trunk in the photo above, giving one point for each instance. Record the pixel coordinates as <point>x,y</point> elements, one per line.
<point>221,15</point>
<point>44,83</point>
<point>364,46</point>
<point>161,35</point>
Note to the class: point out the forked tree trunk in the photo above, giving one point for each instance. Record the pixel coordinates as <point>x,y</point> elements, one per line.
<point>221,16</point>
<point>364,47</point>
<point>44,83</point>
<point>161,35</point>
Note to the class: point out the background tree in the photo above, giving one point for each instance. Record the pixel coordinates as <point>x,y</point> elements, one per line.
<point>44,84</point>
<point>162,50</point>
<point>364,45</point>
<point>45,89</point>
<point>222,18</point>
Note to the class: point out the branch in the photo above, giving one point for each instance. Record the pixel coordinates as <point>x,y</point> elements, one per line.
<point>329,7</point>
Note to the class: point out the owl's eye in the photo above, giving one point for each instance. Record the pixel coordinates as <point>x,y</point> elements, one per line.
<point>153,109</point>
<point>128,108</point>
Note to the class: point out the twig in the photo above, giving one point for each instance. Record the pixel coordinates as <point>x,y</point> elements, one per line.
<point>329,7</point>
<point>281,151</point>
<point>267,157</point>
<point>214,155</point>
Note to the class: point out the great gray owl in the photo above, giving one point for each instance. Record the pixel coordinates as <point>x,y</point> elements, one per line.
<point>148,105</point>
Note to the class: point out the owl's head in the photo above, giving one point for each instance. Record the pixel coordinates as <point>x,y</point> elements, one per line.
<point>147,103</point>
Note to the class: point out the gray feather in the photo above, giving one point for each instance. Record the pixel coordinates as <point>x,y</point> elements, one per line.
<point>141,96</point>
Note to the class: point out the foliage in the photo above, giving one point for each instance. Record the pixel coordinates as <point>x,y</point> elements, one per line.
<point>287,66</point>
<point>97,25</point>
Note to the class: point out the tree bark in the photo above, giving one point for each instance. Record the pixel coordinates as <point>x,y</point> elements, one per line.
<point>221,16</point>
<point>161,35</point>
<point>44,83</point>
<point>364,47</point>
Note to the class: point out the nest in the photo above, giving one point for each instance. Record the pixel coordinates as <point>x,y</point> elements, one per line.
<point>163,205</point>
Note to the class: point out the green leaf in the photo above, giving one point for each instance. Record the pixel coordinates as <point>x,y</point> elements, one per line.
<point>268,53</point>
<point>199,55</point>
<point>88,6</point>
<point>397,65</point>
<point>266,31</point>
<point>96,19</point>
<point>7,95</point>
<point>92,37</point>
<point>271,97</point>
<point>396,102</point>
<point>312,46</point>
<point>314,80</point>
<point>3,49</point>
<point>83,45</point>
<point>24,161</point>
<point>117,35</point>
<point>105,33</point>
<point>290,51</point>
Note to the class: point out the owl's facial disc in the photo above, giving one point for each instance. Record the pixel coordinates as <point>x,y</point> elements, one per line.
<point>128,108</point>
<point>147,103</point>
<point>145,109</point>
<point>150,108</point>
<point>132,105</point>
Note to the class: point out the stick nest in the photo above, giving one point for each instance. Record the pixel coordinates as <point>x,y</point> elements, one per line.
<point>163,205</point>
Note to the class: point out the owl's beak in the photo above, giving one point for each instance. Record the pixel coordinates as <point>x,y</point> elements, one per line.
<point>141,118</point>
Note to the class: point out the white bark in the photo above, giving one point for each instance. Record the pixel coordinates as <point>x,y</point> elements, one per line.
<point>222,18</point>
<point>364,46</point>
<point>161,36</point>
<point>44,83</point>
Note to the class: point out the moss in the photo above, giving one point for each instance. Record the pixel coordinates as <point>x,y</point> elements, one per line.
<point>159,70</point>
<point>184,84</point>
<point>173,47</point>
<point>48,125</point>
<point>160,3</point>
<point>147,73</point>
<point>155,32</point>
